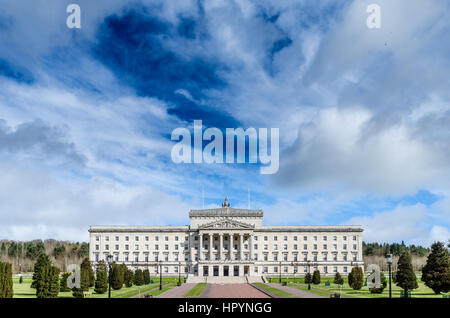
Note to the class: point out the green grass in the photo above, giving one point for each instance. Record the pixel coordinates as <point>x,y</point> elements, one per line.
<point>25,291</point>
<point>196,290</point>
<point>273,290</point>
<point>346,291</point>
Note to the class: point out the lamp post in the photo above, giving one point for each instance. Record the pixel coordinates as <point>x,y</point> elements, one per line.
<point>309,272</point>
<point>109,259</point>
<point>179,273</point>
<point>295,271</point>
<point>160,275</point>
<point>389,261</point>
<point>280,272</point>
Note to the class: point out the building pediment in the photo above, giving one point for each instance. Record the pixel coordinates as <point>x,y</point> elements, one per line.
<point>226,224</point>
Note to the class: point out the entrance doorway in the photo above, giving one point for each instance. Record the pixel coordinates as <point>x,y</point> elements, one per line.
<point>236,271</point>
<point>205,270</point>
<point>216,271</point>
<point>226,271</point>
<point>245,270</point>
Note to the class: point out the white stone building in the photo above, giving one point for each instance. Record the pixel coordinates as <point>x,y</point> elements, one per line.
<point>230,242</point>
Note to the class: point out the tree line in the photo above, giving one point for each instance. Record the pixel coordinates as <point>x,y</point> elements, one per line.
<point>23,255</point>
<point>396,249</point>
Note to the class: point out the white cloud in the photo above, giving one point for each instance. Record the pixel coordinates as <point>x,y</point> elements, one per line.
<point>406,223</point>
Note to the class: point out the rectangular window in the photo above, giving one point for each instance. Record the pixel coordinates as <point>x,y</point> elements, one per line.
<point>127,247</point>
<point>136,247</point>
<point>117,238</point>
<point>127,238</point>
<point>107,238</point>
<point>136,238</point>
<point>107,247</point>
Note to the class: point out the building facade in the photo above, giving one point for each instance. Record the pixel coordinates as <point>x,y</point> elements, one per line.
<point>230,242</point>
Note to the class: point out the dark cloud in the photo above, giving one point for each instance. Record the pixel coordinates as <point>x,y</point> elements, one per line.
<point>38,139</point>
<point>136,47</point>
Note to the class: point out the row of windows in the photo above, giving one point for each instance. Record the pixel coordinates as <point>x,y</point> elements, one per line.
<point>206,247</point>
<point>186,238</point>
<point>136,238</point>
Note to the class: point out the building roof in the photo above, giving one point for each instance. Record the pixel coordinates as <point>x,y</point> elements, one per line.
<point>226,211</point>
<point>137,228</point>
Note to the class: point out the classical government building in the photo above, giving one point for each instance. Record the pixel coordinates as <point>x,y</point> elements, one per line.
<point>230,242</point>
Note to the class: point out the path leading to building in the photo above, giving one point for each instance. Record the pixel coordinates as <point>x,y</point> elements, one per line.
<point>231,291</point>
<point>294,291</point>
<point>177,292</point>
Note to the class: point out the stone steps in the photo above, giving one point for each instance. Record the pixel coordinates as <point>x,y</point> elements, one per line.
<point>224,279</point>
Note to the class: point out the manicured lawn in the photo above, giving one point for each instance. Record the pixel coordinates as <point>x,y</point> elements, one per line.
<point>299,282</point>
<point>275,291</point>
<point>346,291</point>
<point>25,291</point>
<point>196,290</point>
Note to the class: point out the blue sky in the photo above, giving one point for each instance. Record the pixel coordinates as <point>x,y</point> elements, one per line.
<point>86,114</point>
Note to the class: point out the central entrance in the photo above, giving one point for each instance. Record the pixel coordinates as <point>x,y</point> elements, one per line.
<point>245,270</point>
<point>236,271</point>
<point>205,270</point>
<point>216,270</point>
<point>226,270</point>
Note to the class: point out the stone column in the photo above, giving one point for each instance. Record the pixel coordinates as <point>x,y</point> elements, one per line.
<point>221,246</point>
<point>250,243</point>
<point>241,247</point>
<point>230,246</point>
<point>200,248</point>
<point>211,245</point>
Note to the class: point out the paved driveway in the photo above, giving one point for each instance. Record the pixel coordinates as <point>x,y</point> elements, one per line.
<point>231,291</point>
<point>177,292</point>
<point>294,291</point>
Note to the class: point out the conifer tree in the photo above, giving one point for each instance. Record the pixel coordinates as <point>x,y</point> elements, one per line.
<point>42,276</point>
<point>6,282</point>
<point>146,274</point>
<point>87,267</point>
<point>54,282</point>
<point>436,272</point>
<point>338,279</point>
<point>101,282</point>
<point>63,283</point>
<point>356,278</point>
<point>138,277</point>
<point>316,277</point>
<point>405,276</point>
<point>128,278</point>
<point>308,278</point>
<point>117,276</point>
<point>85,279</point>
